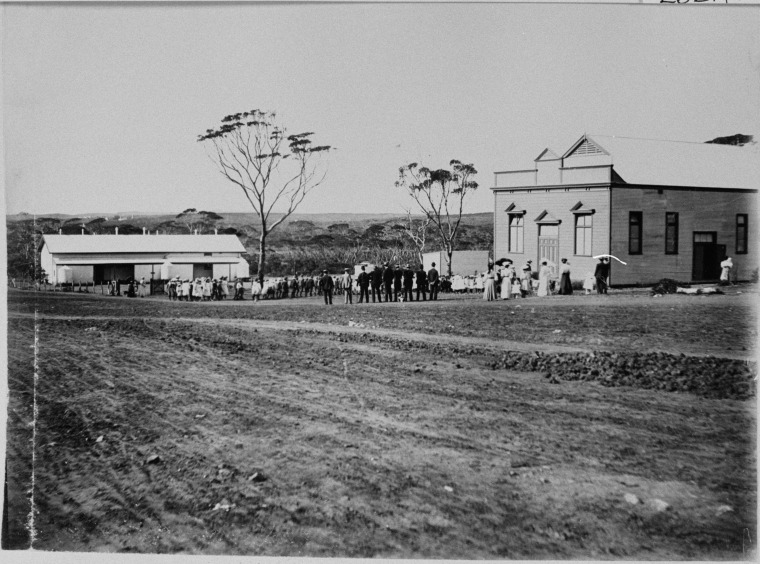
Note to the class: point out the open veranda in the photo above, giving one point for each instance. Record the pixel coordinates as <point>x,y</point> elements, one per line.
<point>617,426</point>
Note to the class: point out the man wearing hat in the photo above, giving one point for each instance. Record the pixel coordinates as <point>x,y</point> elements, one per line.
<point>377,283</point>
<point>326,285</point>
<point>363,280</point>
<point>433,282</point>
<point>408,283</point>
<point>348,296</point>
<point>388,276</point>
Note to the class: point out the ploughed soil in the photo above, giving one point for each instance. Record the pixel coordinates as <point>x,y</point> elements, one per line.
<point>584,427</point>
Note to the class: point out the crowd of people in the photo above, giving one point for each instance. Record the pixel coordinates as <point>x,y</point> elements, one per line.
<point>503,281</point>
<point>384,283</point>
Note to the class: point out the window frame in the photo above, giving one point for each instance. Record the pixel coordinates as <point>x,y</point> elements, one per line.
<point>744,239</point>
<point>518,239</point>
<point>640,228</point>
<point>676,225</point>
<point>588,234</point>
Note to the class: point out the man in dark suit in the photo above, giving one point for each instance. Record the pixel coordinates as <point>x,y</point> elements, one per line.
<point>363,281</point>
<point>388,281</point>
<point>422,283</point>
<point>398,275</point>
<point>408,283</point>
<point>377,283</point>
<point>326,285</point>
<point>433,282</point>
<point>601,272</point>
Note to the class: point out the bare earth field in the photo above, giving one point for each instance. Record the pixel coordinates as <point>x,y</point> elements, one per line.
<point>582,427</point>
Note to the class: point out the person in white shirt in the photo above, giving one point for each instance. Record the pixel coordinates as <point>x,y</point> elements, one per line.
<point>725,270</point>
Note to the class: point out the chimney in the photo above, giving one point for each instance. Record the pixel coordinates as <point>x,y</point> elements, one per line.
<point>60,231</point>
<point>216,231</point>
<point>195,232</point>
<point>82,230</point>
<point>144,231</point>
<point>117,230</point>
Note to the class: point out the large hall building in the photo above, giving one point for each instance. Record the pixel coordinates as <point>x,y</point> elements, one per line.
<point>668,209</point>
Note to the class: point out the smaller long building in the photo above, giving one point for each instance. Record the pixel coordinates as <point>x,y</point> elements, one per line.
<point>100,258</point>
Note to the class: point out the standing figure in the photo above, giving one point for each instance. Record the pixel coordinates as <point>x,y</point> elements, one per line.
<point>256,290</point>
<point>489,286</point>
<point>601,272</point>
<point>507,273</point>
<point>422,283</point>
<point>346,283</point>
<point>388,275</point>
<point>398,276</point>
<point>363,281</point>
<point>377,284</point>
<point>565,286</point>
<point>408,284</point>
<point>543,280</point>
<point>326,286</point>
<point>725,270</point>
<point>142,289</point>
<point>588,283</point>
<point>434,282</point>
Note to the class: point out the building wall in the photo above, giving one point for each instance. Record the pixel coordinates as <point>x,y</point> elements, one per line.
<point>47,264</point>
<point>79,273</point>
<point>698,210</point>
<point>558,202</point>
<point>462,262</point>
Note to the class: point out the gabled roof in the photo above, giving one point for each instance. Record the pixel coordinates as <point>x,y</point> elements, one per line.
<point>584,147</point>
<point>143,244</point>
<point>679,163</point>
<point>547,218</point>
<point>547,155</point>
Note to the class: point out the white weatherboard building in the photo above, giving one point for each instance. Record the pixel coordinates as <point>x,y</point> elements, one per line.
<point>464,263</point>
<point>100,258</point>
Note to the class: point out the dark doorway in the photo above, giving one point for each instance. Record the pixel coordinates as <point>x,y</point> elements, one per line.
<point>107,272</point>
<point>707,256</point>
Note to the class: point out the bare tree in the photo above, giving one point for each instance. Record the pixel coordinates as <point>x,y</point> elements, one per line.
<point>417,231</point>
<point>440,195</point>
<point>252,151</point>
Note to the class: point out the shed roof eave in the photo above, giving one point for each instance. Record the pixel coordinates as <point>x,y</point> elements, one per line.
<point>551,186</point>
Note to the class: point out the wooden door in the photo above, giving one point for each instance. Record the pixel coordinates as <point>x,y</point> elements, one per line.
<point>707,256</point>
<point>548,246</point>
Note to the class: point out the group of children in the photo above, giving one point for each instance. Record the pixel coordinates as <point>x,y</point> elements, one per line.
<point>200,289</point>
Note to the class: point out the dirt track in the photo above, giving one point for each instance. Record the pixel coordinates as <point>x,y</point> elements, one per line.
<point>320,439</point>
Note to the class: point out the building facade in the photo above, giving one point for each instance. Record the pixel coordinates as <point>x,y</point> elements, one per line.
<point>100,258</point>
<point>667,209</point>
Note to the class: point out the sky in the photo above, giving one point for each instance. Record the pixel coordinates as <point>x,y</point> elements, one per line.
<point>102,104</point>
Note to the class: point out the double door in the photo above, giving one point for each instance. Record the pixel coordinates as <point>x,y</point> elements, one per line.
<point>707,257</point>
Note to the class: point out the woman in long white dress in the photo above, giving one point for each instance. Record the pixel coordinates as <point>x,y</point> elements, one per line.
<point>507,273</point>
<point>543,279</point>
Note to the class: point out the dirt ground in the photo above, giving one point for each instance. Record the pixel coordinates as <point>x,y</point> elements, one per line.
<point>456,429</point>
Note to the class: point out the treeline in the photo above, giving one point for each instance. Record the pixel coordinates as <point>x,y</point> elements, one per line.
<point>301,245</point>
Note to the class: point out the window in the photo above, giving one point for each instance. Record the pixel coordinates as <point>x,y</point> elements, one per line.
<point>516,234</point>
<point>583,234</point>
<point>741,234</point>
<point>635,220</point>
<point>671,233</point>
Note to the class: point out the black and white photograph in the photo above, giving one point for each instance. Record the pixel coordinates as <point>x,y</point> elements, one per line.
<point>443,281</point>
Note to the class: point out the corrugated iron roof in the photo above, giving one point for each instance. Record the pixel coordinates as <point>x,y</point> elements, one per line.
<point>58,244</point>
<point>679,163</point>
